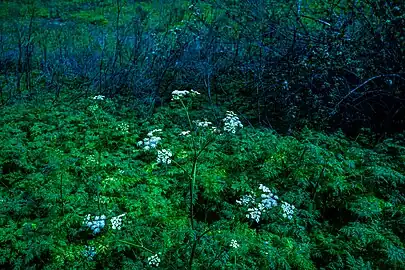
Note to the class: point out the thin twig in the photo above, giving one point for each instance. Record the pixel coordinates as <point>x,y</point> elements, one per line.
<point>361,85</point>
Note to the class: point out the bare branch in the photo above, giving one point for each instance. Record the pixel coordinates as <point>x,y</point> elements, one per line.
<point>361,85</point>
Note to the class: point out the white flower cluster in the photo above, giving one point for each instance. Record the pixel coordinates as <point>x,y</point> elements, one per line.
<point>185,133</point>
<point>199,123</point>
<point>108,181</point>
<point>151,141</point>
<point>215,130</point>
<point>89,252</point>
<point>264,188</point>
<point>102,199</point>
<point>91,160</point>
<point>97,224</point>
<point>288,210</point>
<point>123,127</point>
<point>234,244</point>
<point>246,199</point>
<point>178,94</point>
<point>150,133</point>
<point>254,213</point>
<point>154,260</point>
<point>164,156</point>
<point>99,97</point>
<point>117,222</point>
<point>268,201</point>
<point>231,122</point>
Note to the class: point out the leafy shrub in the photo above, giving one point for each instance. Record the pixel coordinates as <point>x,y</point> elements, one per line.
<point>79,191</point>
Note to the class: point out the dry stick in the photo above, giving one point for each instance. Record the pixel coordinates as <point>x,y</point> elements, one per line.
<point>27,63</point>
<point>117,41</point>
<point>334,111</point>
<point>314,19</point>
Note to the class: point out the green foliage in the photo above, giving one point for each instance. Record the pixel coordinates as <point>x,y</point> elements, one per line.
<point>61,160</point>
<point>60,163</point>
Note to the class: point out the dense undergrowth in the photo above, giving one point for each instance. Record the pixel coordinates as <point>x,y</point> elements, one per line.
<point>79,191</point>
<point>283,64</point>
<point>141,176</point>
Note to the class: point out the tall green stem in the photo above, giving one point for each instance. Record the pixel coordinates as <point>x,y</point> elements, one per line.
<point>193,171</point>
<point>193,175</point>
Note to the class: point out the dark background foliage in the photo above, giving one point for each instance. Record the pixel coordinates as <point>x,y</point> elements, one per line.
<point>329,65</point>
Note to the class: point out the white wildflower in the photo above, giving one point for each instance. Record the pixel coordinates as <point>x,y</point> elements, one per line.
<point>194,93</point>
<point>89,252</point>
<point>117,222</point>
<point>97,224</point>
<point>215,130</point>
<point>150,142</point>
<point>154,260</point>
<point>91,160</point>
<point>99,97</point>
<point>154,141</point>
<point>150,134</point>
<point>177,94</point>
<point>123,127</point>
<point>231,122</point>
<point>234,244</point>
<point>109,181</point>
<point>269,200</point>
<point>264,188</point>
<point>202,123</point>
<point>102,199</point>
<point>185,133</point>
<point>288,210</point>
<point>164,156</point>
<point>254,213</point>
<point>245,200</point>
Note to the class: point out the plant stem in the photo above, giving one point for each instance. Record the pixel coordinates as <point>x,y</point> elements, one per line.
<point>61,194</point>
<point>135,245</point>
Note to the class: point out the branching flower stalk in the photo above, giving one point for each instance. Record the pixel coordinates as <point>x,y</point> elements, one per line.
<point>231,122</point>
<point>196,154</point>
<point>194,166</point>
<point>94,109</point>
